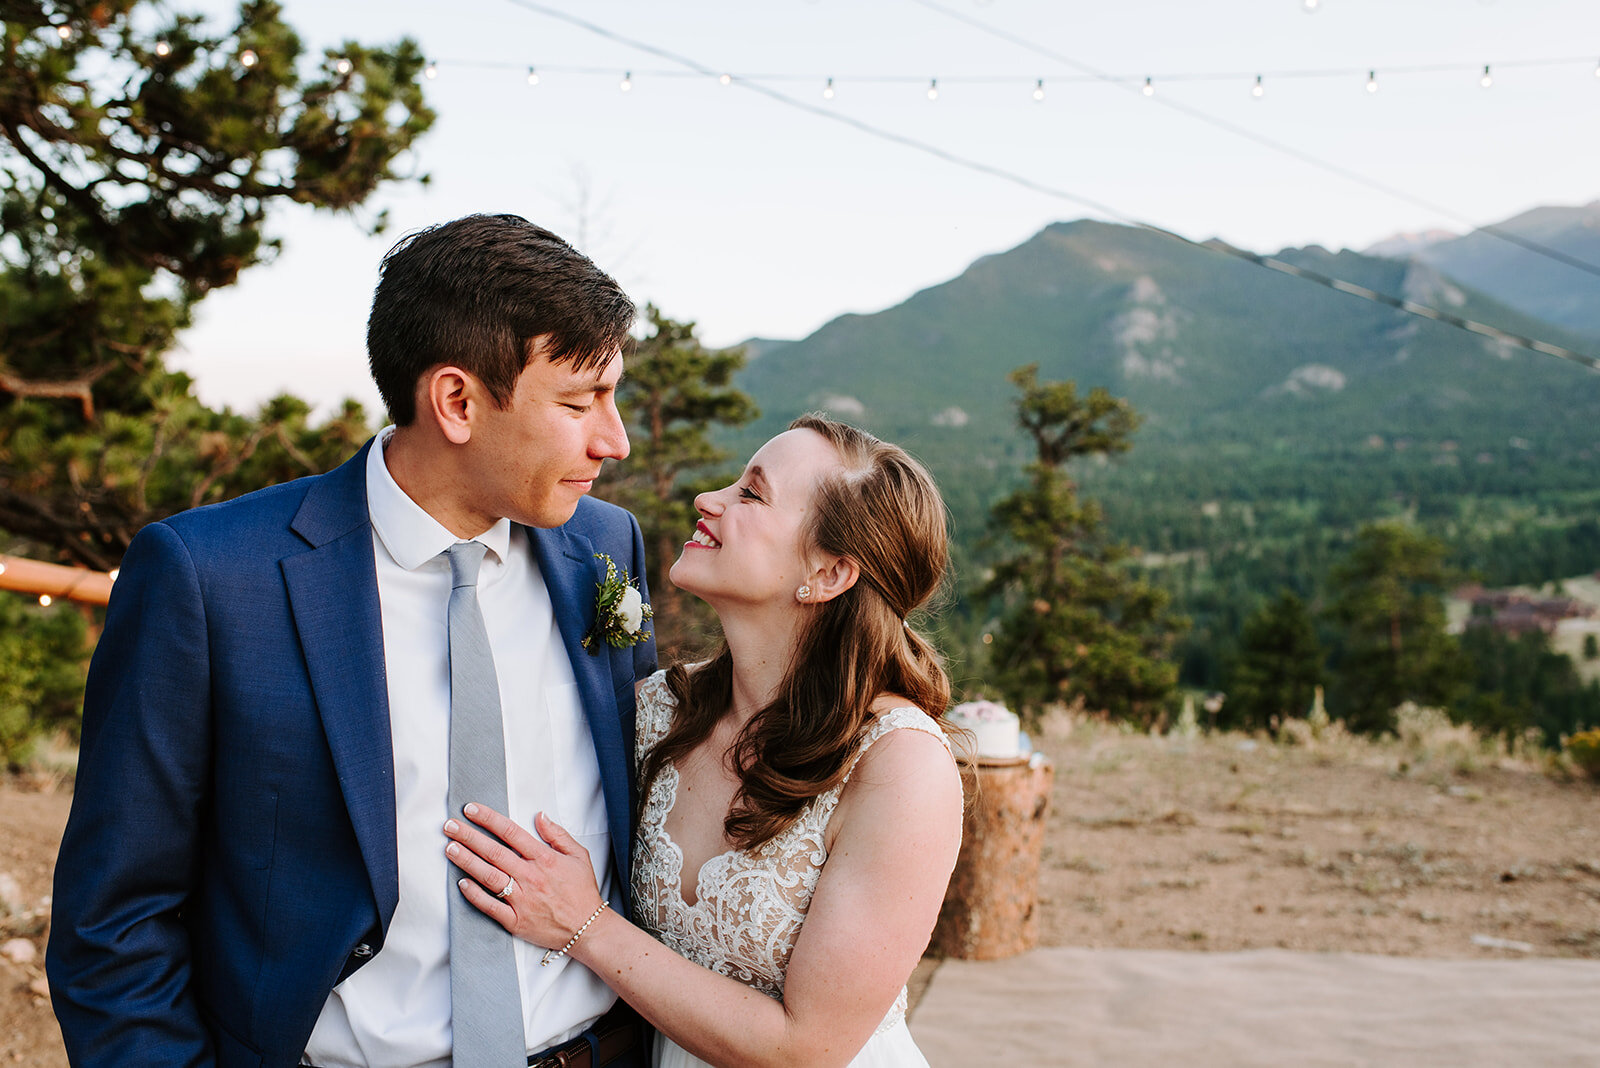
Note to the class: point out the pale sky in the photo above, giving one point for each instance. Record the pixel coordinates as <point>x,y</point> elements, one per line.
<point>754,218</point>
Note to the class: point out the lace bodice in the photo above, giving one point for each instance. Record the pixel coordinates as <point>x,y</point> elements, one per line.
<point>749,904</point>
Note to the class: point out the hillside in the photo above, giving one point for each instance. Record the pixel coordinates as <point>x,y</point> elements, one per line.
<point>1251,382</point>
<point>1539,285</point>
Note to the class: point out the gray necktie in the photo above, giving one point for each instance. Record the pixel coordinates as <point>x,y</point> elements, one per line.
<point>485,999</point>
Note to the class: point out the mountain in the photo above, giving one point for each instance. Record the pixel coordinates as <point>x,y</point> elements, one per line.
<point>1559,292</point>
<point>1403,246</point>
<point>1253,384</point>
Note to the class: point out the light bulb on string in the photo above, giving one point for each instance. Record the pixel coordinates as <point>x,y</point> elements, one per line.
<point>1258,90</point>
<point>247,58</point>
<point>933,89</point>
<point>1372,81</point>
<point>45,600</point>
<point>626,85</point>
<point>1310,7</point>
<point>1149,88</point>
<point>64,32</point>
<point>726,79</point>
<point>344,66</point>
<point>2,567</point>
<point>431,71</point>
<point>1597,70</point>
<point>1038,89</point>
<point>827,90</point>
<point>113,573</point>
<point>163,49</point>
<point>1487,79</point>
<point>533,76</point>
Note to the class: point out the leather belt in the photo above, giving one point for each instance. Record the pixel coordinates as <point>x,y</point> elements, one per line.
<point>615,1034</point>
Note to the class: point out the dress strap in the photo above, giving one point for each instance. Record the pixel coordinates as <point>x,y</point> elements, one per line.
<point>904,717</point>
<point>652,714</point>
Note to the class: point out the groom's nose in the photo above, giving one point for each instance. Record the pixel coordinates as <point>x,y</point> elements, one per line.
<point>610,441</point>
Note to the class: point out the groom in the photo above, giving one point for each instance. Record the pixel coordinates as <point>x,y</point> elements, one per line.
<point>254,871</point>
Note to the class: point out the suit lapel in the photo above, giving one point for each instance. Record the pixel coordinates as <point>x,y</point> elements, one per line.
<point>333,593</point>
<point>571,574</point>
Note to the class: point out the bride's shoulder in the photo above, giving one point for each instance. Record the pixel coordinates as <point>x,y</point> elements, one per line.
<point>653,704</point>
<point>653,688</point>
<point>904,769</point>
<point>902,739</point>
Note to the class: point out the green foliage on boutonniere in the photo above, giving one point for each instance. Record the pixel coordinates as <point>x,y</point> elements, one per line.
<point>619,610</point>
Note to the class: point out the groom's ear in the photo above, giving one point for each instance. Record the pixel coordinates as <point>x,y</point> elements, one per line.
<point>446,396</point>
<point>832,577</point>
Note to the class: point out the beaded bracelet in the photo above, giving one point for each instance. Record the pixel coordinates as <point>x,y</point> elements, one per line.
<point>552,955</point>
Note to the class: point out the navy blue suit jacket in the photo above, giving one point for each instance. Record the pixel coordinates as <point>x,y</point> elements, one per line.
<point>230,855</point>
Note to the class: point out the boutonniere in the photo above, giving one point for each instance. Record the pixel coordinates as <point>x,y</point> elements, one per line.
<point>619,611</point>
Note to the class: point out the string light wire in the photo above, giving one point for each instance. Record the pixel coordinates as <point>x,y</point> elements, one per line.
<point>979,166</point>
<point>1277,146</point>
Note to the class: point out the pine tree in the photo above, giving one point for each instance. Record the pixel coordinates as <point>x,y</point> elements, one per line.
<point>140,154</point>
<point>1076,623</point>
<point>674,391</point>
<point>1278,669</point>
<point>1387,599</point>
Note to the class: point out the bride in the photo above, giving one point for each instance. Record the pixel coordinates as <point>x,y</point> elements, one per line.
<point>801,775</point>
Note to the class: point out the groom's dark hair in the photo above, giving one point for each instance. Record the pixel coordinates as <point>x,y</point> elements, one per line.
<point>478,293</point>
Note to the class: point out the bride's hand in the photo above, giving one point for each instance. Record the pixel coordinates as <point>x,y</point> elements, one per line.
<point>555,888</point>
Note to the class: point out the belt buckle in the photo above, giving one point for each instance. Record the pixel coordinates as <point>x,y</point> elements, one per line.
<point>559,1059</point>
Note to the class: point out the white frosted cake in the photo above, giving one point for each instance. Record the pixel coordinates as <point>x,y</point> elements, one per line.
<point>996,731</point>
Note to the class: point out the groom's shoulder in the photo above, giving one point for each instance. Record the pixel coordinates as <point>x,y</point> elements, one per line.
<point>600,520</point>
<point>268,505</point>
<point>249,520</point>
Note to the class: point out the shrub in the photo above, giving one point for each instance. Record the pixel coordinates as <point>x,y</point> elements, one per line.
<point>1584,749</point>
<point>43,659</point>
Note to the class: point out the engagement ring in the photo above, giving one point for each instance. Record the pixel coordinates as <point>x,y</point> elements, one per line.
<point>510,888</point>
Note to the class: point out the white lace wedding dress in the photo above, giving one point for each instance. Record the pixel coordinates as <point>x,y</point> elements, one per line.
<point>750,905</point>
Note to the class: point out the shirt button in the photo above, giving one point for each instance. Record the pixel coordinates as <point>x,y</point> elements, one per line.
<point>363,950</point>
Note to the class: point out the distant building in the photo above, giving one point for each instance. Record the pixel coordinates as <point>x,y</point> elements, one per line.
<point>1510,612</point>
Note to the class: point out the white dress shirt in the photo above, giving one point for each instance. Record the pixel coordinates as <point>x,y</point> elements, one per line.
<point>395,1011</point>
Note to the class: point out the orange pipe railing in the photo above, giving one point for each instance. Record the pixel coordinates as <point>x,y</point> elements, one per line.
<point>55,581</point>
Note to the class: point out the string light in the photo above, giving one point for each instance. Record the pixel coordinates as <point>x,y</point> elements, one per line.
<point>431,71</point>
<point>1487,79</point>
<point>1311,7</point>
<point>247,58</point>
<point>1145,83</point>
<point>64,32</point>
<point>113,573</point>
<point>1372,81</point>
<point>933,89</point>
<point>1038,89</point>
<point>626,85</point>
<point>2,567</point>
<point>533,76</point>
<point>163,49</point>
<point>1257,90</point>
<point>344,66</point>
<point>45,600</point>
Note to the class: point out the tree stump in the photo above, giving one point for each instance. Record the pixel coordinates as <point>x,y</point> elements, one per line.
<point>991,907</point>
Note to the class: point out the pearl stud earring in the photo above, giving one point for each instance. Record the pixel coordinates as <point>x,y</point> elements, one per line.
<point>802,593</point>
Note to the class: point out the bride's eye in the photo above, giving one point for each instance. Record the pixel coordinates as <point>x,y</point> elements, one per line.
<point>749,494</point>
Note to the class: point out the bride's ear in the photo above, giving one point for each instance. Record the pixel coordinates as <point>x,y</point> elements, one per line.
<point>831,578</point>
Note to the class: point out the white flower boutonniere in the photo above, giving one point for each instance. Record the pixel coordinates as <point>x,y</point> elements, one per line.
<point>619,611</point>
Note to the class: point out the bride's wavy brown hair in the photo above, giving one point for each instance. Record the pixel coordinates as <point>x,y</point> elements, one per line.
<point>881,509</point>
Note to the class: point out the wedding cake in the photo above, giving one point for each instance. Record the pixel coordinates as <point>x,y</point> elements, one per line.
<point>996,731</point>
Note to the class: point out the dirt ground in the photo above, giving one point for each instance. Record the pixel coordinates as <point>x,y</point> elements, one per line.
<point>1430,846</point>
